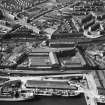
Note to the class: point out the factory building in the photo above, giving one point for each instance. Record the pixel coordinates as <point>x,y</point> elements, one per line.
<point>1,15</point>
<point>53,59</point>
<point>65,35</point>
<point>99,76</point>
<point>47,84</point>
<point>61,43</point>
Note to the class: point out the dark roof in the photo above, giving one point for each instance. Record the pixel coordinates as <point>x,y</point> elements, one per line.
<point>66,35</point>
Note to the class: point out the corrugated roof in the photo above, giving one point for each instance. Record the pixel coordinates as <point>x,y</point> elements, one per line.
<point>47,84</point>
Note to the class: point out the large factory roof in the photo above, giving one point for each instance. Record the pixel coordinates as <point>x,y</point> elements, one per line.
<point>99,76</point>
<point>47,84</point>
<point>39,61</point>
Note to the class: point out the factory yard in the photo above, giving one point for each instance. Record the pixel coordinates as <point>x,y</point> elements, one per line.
<point>55,47</point>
